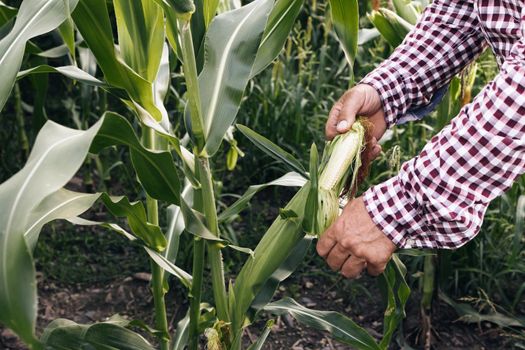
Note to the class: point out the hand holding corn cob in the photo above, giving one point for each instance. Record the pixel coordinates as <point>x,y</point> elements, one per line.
<point>362,100</point>
<point>353,242</point>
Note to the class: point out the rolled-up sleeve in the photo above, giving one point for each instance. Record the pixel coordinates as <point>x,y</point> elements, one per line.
<point>439,198</point>
<point>444,41</point>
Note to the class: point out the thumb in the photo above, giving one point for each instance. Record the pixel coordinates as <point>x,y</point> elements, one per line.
<point>347,116</point>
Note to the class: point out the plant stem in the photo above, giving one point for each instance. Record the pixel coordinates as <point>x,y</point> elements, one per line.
<point>214,251</point>
<point>192,84</point>
<point>196,291</point>
<point>157,274</point>
<point>24,142</point>
<point>428,282</point>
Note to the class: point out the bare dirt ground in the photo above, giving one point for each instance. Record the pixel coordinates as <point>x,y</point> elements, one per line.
<point>131,297</point>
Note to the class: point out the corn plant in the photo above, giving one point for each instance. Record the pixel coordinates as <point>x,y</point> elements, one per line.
<point>218,55</point>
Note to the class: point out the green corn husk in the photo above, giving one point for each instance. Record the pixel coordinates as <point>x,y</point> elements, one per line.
<point>340,157</point>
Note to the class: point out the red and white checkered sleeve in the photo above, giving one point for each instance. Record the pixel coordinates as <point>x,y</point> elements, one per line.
<point>445,39</point>
<point>439,198</point>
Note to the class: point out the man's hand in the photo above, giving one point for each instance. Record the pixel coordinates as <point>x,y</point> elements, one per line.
<point>361,100</point>
<point>354,243</point>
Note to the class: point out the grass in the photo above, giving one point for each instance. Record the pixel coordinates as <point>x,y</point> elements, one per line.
<point>71,254</point>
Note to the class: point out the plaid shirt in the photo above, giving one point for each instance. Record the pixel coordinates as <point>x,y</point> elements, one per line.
<point>439,198</point>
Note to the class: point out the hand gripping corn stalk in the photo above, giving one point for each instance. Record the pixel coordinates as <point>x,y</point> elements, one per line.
<point>312,210</point>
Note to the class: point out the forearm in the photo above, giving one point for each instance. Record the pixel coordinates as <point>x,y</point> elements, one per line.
<point>444,41</point>
<point>439,198</point>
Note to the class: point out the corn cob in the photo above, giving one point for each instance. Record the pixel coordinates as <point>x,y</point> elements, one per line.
<point>340,156</point>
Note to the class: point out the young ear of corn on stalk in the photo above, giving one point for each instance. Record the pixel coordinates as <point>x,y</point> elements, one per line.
<point>338,173</point>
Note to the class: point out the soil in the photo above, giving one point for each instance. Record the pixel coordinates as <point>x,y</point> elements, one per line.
<point>131,297</point>
<point>96,275</point>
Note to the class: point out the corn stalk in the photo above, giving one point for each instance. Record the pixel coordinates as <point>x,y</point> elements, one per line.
<point>237,44</point>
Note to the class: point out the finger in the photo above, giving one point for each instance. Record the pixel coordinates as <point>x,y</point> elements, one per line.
<point>353,267</point>
<point>325,243</point>
<point>375,269</point>
<point>331,123</point>
<point>337,256</point>
<point>376,150</point>
<point>346,116</point>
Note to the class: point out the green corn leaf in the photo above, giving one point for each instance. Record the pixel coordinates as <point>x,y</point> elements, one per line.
<point>391,26</point>
<point>40,84</point>
<point>108,225</point>
<point>183,8</point>
<point>62,204</point>
<point>345,17</point>
<point>289,180</point>
<point>209,10</point>
<point>55,52</point>
<point>67,335</point>
<point>280,24</point>
<point>156,170</point>
<point>166,265</point>
<point>284,271</point>
<point>34,18</point>
<point>273,150</point>
<point>407,10</point>
<point>392,282</point>
<point>140,26</point>
<point>67,32</point>
<point>176,224</point>
<point>136,216</point>
<point>157,257</point>
<point>7,13</point>
<point>280,239</point>
<point>366,35</point>
<point>171,30</point>
<point>92,20</point>
<point>56,147</point>
<point>182,332</point>
<point>258,345</point>
<point>71,72</point>
<point>193,222</point>
<point>230,48</point>
<point>198,31</point>
<point>340,327</point>
<point>312,203</point>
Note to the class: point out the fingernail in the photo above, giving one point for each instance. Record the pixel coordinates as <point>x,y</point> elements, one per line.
<point>342,125</point>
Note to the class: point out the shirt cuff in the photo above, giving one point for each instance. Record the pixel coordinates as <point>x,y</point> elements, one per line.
<point>388,82</point>
<point>393,212</point>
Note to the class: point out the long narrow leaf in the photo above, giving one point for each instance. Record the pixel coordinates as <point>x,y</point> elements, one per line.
<point>92,20</point>
<point>280,24</point>
<point>71,72</point>
<point>166,265</point>
<point>345,16</point>
<point>280,239</point>
<point>67,335</point>
<point>35,17</point>
<point>6,13</point>
<point>397,293</point>
<point>339,326</point>
<point>140,26</point>
<point>272,150</point>
<point>135,213</point>
<point>156,170</point>
<point>284,271</point>
<point>62,204</point>
<point>56,147</point>
<point>289,180</point>
<point>230,48</point>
